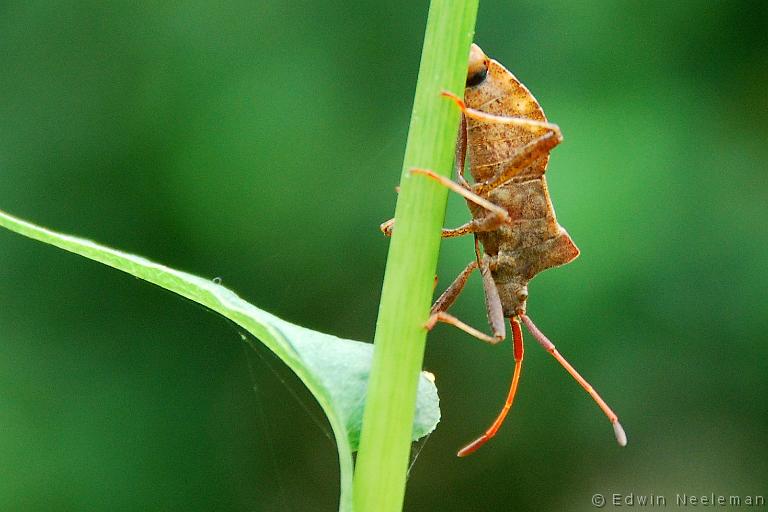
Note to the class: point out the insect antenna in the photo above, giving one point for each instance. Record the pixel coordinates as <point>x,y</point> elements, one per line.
<point>621,436</point>
<point>517,344</point>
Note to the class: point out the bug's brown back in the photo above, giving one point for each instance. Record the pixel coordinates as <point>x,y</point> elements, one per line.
<point>534,241</point>
<point>492,145</point>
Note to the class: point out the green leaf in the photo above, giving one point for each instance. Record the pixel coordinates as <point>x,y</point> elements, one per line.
<point>335,370</point>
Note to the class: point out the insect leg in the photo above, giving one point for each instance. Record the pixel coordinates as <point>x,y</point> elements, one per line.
<point>492,118</point>
<point>493,306</point>
<point>460,159</point>
<point>446,300</point>
<point>461,154</point>
<point>386,227</point>
<point>517,343</point>
<point>451,293</point>
<point>500,212</point>
<point>621,437</point>
<point>447,318</point>
<point>535,149</point>
<point>487,223</point>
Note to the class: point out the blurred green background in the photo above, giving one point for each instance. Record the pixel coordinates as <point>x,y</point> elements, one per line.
<point>260,142</point>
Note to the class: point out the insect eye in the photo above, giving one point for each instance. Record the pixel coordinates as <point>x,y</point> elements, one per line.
<point>478,66</point>
<point>477,78</point>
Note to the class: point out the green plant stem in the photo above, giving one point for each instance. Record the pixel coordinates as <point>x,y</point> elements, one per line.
<point>382,460</point>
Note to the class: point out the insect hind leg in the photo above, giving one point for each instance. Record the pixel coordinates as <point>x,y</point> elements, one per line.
<point>517,344</point>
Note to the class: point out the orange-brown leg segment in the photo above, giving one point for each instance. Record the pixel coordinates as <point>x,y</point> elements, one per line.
<point>517,344</point>
<point>496,215</point>
<point>449,296</point>
<point>621,436</point>
<point>495,218</point>
<point>500,212</point>
<point>386,227</point>
<point>461,153</point>
<point>447,318</point>
<point>493,118</point>
<point>493,307</point>
<point>487,223</point>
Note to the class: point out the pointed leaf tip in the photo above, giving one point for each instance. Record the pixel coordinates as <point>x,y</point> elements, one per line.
<point>334,370</point>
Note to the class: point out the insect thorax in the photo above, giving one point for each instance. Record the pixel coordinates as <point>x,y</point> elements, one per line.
<point>493,146</point>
